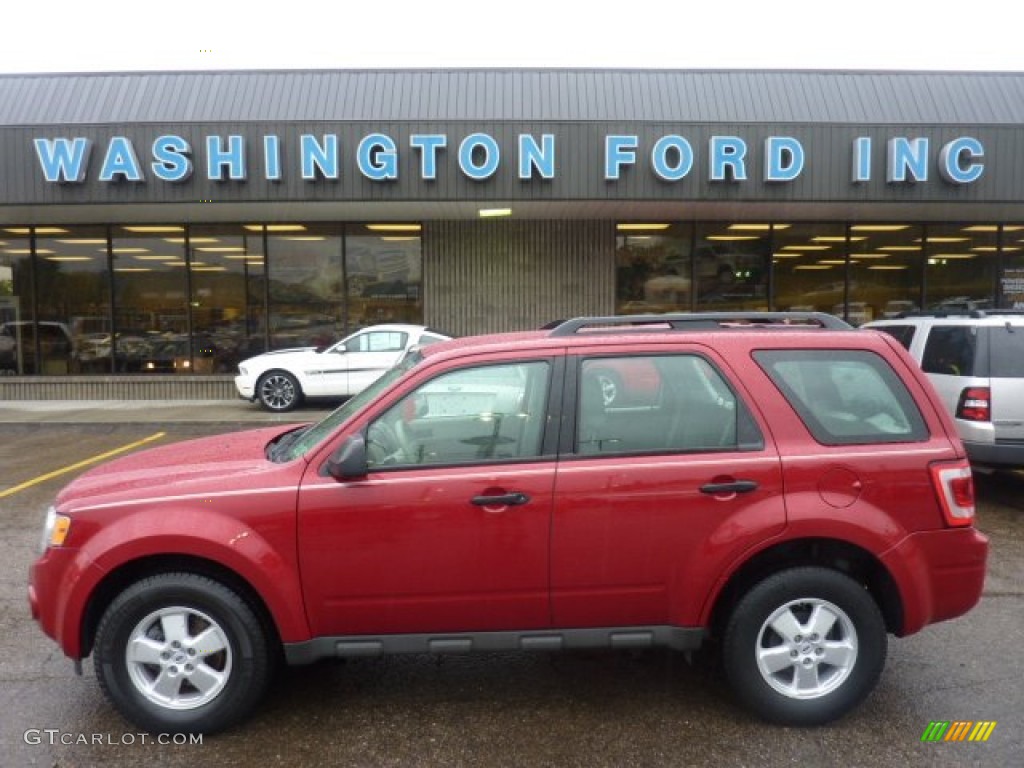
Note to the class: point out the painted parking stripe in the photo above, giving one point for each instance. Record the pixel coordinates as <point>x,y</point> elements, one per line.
<point>80,464</point>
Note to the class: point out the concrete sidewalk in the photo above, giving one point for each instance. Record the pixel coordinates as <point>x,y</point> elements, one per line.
<point>149,411</point>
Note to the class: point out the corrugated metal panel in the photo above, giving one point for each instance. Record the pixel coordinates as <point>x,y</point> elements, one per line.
<point>489,276</point>
<point>401,95</point>
<point>118,388</point>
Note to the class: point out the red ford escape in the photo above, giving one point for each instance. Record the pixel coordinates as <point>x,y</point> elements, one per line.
<point>776,483</point>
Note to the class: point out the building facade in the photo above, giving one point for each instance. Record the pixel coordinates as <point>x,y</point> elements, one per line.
<point>159,223</point>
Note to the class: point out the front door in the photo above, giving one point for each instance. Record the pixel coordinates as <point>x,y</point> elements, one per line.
<point>450,530</point>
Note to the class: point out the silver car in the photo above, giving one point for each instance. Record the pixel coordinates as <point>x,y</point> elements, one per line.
<point>976,362</point>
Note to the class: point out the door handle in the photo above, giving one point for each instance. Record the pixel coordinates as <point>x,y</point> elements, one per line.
<point>736,486</point>
<point>504,500</point>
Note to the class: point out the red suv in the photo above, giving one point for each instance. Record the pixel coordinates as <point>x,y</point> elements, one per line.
<point>786,487</point>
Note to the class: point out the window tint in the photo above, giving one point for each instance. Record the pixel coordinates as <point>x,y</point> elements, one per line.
<point>377,341</point>
<point>665,403</point>
<point>481,414</point>
<point>904,334</point>
<point>845,397</point>
<point>1006,357</point>
<point>950,349</point>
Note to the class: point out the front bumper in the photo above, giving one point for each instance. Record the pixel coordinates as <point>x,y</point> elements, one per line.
<point>246,388</point>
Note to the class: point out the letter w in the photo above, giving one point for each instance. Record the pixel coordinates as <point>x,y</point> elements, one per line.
<point>63,160</point>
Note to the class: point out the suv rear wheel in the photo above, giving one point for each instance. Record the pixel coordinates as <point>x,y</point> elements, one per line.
<point>804,646</point>
<point>181,653</point>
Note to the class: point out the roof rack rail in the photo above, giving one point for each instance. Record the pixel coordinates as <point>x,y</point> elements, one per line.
<point>972,313</point>
<point>677,321</point>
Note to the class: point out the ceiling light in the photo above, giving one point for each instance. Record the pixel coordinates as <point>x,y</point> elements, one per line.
<point>757,227</point>
<point>276,227</point>
<point>85,241</point>
<point>38,230</point>
<point>809,267</point>
<point>887,267</point>
<point>806,247</point>
<point>879,227</point>
<point>153,229</point>
<point>493,213</point>
<point>732,238</point>
<point>394,227</point>
<point>640,227</point>
<point>69,258</point>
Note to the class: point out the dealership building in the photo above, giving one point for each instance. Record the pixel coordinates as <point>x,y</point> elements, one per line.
<point>157,228</point>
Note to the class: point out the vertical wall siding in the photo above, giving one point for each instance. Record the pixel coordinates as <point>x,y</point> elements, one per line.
<point>117,388</point>
<point>490,276</point>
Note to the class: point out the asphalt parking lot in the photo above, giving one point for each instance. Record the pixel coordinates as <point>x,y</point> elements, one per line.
<point>508,709</point>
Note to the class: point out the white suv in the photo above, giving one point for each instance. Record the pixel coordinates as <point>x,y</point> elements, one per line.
<point>975,359</point>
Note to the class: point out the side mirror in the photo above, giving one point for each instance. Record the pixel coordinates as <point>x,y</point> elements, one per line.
<point>349,461</point>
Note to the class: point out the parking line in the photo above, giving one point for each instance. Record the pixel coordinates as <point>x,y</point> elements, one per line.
<point>79,465</point>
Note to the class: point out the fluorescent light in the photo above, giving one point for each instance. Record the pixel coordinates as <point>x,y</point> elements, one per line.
<point>304,238</point>
<point>399,239</point>
<point>810,267</point>
<point>879,227</point>
<point>953,255</point>
<point>69,258</point>
<point>807,247</point>
<point>640,227</point>
<point>888,267</point>
<point>222,249</point>
<point>942,240</point>
<point>132,269</point>
<point>153,257</point>
<point>835,239</point>
<point>191,240</point>
<point>394,227</point>
<point>732,238</point>
<point>85,241</point>
<point>129,250</point>
<point>158,228</point>
<point>758,227</point>
<point>39,231</point>
<point>492,213</point>
<point>276,227</point>
<point>899,247</point>
<point>208,269</point>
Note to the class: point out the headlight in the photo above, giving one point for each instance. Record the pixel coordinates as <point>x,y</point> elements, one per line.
<point>241,370</point>
<point>55,529</point>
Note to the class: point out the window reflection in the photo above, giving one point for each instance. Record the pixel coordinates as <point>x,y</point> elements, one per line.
<point>885,270</point>
<point>1011,280</point>
<point>654,267</point>
<point>17,330</point>
<point>72,275</point>
<point>960,266</point>
<point>227,268</point>
<point>150,299</point>
<point>809,260</point>
<point>731,264</point>
<point>306,285</point>
<point>384,271</point>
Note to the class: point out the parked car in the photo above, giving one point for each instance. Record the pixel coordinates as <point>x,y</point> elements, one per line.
<point>280,380</point>
<point>795,493</point>
<point>975,359</point>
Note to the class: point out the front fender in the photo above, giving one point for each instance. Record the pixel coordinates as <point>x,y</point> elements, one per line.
<point>265,560</point>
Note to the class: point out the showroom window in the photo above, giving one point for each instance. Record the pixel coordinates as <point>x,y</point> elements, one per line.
<point>960,266</point>
<point>653,267</point>
<point>384,274</point>
<point>731,265</point>
<point>1011,278</point>
<point>17,329</point>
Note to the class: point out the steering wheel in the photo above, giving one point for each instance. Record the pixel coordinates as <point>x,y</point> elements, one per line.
<point>388,444</point>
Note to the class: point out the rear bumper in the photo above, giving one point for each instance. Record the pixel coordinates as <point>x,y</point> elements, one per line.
<point>941,574</point>
<point>995,454</point>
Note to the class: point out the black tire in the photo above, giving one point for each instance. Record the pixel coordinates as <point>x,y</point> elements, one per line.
<point>278,391</point>
<point>173,686</point>
<point>817,671</point>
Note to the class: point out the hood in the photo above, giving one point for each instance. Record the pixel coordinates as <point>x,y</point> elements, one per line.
<point>212,465</point>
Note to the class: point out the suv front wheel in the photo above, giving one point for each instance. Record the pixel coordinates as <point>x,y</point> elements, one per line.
<point>804,646</point>
<point>181,653</point>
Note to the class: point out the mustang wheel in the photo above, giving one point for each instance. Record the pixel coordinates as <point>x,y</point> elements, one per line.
<point>278,391</point>
<point>181,653</point>
<point>805,646</point>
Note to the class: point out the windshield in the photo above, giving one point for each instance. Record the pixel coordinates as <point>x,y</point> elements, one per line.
<point>316,433</point>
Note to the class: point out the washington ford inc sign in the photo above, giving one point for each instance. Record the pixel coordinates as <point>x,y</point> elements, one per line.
<point>478,156</point>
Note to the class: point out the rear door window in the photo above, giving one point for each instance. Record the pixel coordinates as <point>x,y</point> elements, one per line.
<point>845,397</point>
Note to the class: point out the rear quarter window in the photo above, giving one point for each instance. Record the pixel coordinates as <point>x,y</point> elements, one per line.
<point>950,350</point>
<point>845,397</point>
<point>1006,353</point>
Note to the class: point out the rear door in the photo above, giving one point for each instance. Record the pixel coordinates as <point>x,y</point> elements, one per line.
<point>656,489</point>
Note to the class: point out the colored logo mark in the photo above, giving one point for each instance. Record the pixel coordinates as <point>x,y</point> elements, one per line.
<point>958,730</point>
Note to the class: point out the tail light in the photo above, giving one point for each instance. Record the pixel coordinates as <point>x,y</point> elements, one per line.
<point>975,404</point>
<point>954,487</point>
